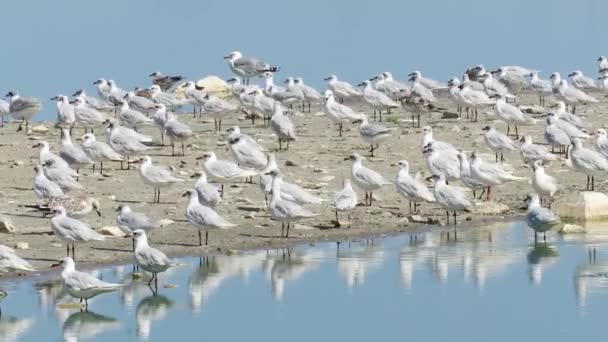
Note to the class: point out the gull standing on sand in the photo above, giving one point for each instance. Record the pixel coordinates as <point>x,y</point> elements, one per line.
<point>129,117</point>
<point>345,200</point>
<point>168,99</point>
<point>341,89</point>
<point>247,155</point>
<point>98,151</point>
<point>571,130</point>
<point>139,103</point>
<point>165,82</point>
<point>531,152</point>
<point>490,174</point>
<point>372,133</point>
<point>581,81</point>
<point>160,119</point>
<point>203,217</point>
<point>22,108</point>
<point>10,261</point>
<point>87,117</point>
<point>411,188</point>
<point>125,142</point>
<point>148,258</point>
<point>195,96</point>
<point>543,184</point>
<point>427,82</point>
<point>71,231</point>
<point>474,99</point>
<point>573,119</point>
<point>386,84</point>
<point>498,142</point>
<point>572,95</point>
<point>235,131</point>
<point>337,112</point>
<point>129,221</point>
<point>65,112</point>
<point>420,89</point>
<point>61,176</point>
<point>282,126</point>
<point>600,143</point>
<point>77,205</point>
<point>247,67</point>
<point>176,131</point>
<point>555,136</point>
<point>493,86</point>
<point>467,179</point>
<point>538,218</point>
<point>156,176</point>
<point>364,178</point>
<point>223,169</point>
<point>72,154</point>
<point>289,191</point>
<point>82,285</point>
<point>4,111</point>
<point>311,95</point>
<point>542,88</point>
<point>450,197</point>
<point>377,99</point>
<point>217,109</point>
<point>511,115</point>
<point>43,187</point>
<point>208,194</point>
<point>261,104</point>
<point>283,210</point>
<point>427,137</point>
<point>587,161</point>
<point>116,94</point>
<point>46,155</point>
<point>93,102</point>
<point>444,161</point>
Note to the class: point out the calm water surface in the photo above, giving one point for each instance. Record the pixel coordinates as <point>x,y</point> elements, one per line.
<point>490,283</point>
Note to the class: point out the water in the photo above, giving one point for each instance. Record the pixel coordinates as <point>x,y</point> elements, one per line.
<point>491,283</point>
<point>55,47</point>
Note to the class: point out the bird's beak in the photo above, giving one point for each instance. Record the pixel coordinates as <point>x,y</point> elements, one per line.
<point>127,236</point>
<point>360,84</point>
<point>429,178</point>
<point>347,158</point>
<point>54,265</point>
<point>152,74</point>
<point>199,158</point>
<point>327,79</point>
<point>54,98</point>
<point>227,57</point>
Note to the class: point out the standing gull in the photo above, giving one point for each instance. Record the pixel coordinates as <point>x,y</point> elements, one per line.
<point>376,99</point>
<point>125,141</point>
<point>337,112</point>
<point>208,194</point>
<point>587,161</point>
<point>72,154</point>
<point>450,197</point>
<point>156,176</point>
<point>372,133</point>
<point>555,136</point>
<point>247,67</point>
<point>343,90</point>
<point>490,174</point>
<point>43,187</point>
<point>364,178</point>
<point>176,131</point>
<point>22,108</point>
<point>148,258</point>
<point>283,210</point>
<point>217,109</point>
<point>129,221</point>
<point>345,199</point>
<point>538,218</point>
<point>498,142</point>
<point>98,151</point>
<point>61,176</point>
<point>411,188</point>
<point>93,102</point>
<point>600,143</point>
<point>65,112</point>
<point>131,118</point>
<point>444,161</point>
<point>282,126</point>
<point>247,155</point>
<point>543,184</point>
<point>10,261</point>
<point>581,81</point>
<point>531,152</point>
<point>542,88</point>
<point>223,169</point>
<point>511,115</point>
<point>45,155</point>
<point>165,82</point>
<point>203,217</point>
<point>71,231</point>
<point>467,179</point>
<point>86,116</point>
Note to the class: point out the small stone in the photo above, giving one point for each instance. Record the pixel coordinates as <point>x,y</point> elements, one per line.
<point>327,178</point>
<point>289,162</point>
<point>6,225</point>
<point>302,227</point>
<point>417,219</point>
<point>112,197</point>
<point>376,211</point>
<point>572,229</point>
<point>56,245</point>
<point>455,129</point>
<point>232,252</point>
<point>183,173</point>
<point>111,231</point>
<point>250,216</point>
<point>221,143</point>
<point>165,222</point>
<point>449,115</point>
<point>491,208</point>
<point>319,170</point>
<point>404,222</point>
<point>40,129</point>
<point>18,163</point>
<point>22,245</point>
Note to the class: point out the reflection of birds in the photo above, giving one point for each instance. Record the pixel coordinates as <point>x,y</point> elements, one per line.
<point>11,328</point>
<point>539,258</point>
<point>86,325</point>
<point>289,268</point>
<point>590,277</point>
<point>149,309</point>
<point>355,263</point>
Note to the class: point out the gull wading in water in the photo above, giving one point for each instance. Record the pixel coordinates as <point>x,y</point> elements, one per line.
<point>538,218</point>
<point>203,217</point>
<point>148,258</point>
<point>82,285</point>
<point>156,176</point>
<point>410,188</point>
<point>364,178</point>
<point>345,200</point>
<point>71,231</point>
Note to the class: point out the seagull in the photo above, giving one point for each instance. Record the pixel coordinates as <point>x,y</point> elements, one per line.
<point>247,67</point>
<point>115,93</point>
<point>493,86</point>
<point>293,94</point>
<point>372,133</point>
<point>217,109</point>
<point>511,115</point>
<point>4,110</point>
<point>86,116</point>
<point>289,191</point>
<point>10,261</point>
<point>195,96</point>
<point>125,141</point>
<point>538,218</point>
<point>311,95</point>
<point>474,99</point>
<point>72,154</point>
<point>71,231</point>
<point>587,161</point>
<point>427,137</point>
<point>444,161</point>
<point>203,217</point>
<point>602,63</point>
<point>129,117</point>
<point>98,151</point>
<point>390,87</point>
<point>512,77</point>
<point>345,199</point>
<point>165,82</point>
<point>411,188</point>
<point>573,119</point>
<point>555,136</point>
<point>420,89</point>
<point>43,187</point>
<point>365,178</point>
<point>223,169</point>
<point>450,197</point>
<point>247,155</point>
<point>129,221</point>
<point>542,88</point>
<point>176,131</point>
<point>261,104</point>
<point>46,155</point>
<point>93,102</point>
<point>82,285</point>
<point>235,131</point>
<point>498,142</point>
<point>208,194</point>
<point>377,99</point>
<point>159,117</point>
<point>572,95</point>
<point>581,81</point>
<point>156,176</point>
<point>148,258</point>
<point>61,176</point>
<point>139,103</point>
<point>600,143</point>
<point>531,152</point>
<point>427,82</point>
<point>282,126</point>
<point>65,112</point>
<point>543,184</point>
<point>467,179</point>
<point>571,130</point>
<point>77,205</point>
<point>168,99</point>
<point>337,112</point>
<point>343,90</point>
<point>490,174</point>
<point>283,210</point>
<point>22,108</point>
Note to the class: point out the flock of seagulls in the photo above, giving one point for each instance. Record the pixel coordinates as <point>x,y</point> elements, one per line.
<point>122,115</point>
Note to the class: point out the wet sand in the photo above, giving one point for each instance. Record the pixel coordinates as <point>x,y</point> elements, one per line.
<point>318,162</point>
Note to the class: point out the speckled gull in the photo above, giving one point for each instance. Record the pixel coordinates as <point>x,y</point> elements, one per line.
<point>410,188</point>
<point>71,231</point>
<point>156,176</point>
<point>203,217</point>
<point>165,82</point>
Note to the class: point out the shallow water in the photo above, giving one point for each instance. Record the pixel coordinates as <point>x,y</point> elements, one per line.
<point>491,283</point>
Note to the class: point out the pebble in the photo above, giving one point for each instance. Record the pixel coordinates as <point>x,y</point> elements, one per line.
<point>290,162</point>
<point>22,245</point>
<point>165,222</point>
<point>111,231</point>
<point>40,129</point>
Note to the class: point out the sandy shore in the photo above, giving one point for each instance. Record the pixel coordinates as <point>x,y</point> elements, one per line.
<point>318,162</point>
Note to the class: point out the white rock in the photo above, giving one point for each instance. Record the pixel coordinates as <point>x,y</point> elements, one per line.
<point>214,84</point>
<point>583,206</point>
<point>165,222</point>
<point>40,129</point>
<point>572,229</point>
<point>111,231</point>
<point>22,245</point>
<point>491,208</point>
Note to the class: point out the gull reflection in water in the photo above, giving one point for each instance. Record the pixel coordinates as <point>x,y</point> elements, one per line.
<point>85,325</point>
<point>540,258</point>
<point>211,273</point>
<point>150,309</point>
<point>589,278</point>
<point>354,262</point>
<point>11,327</point>
<point>287,266</point>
